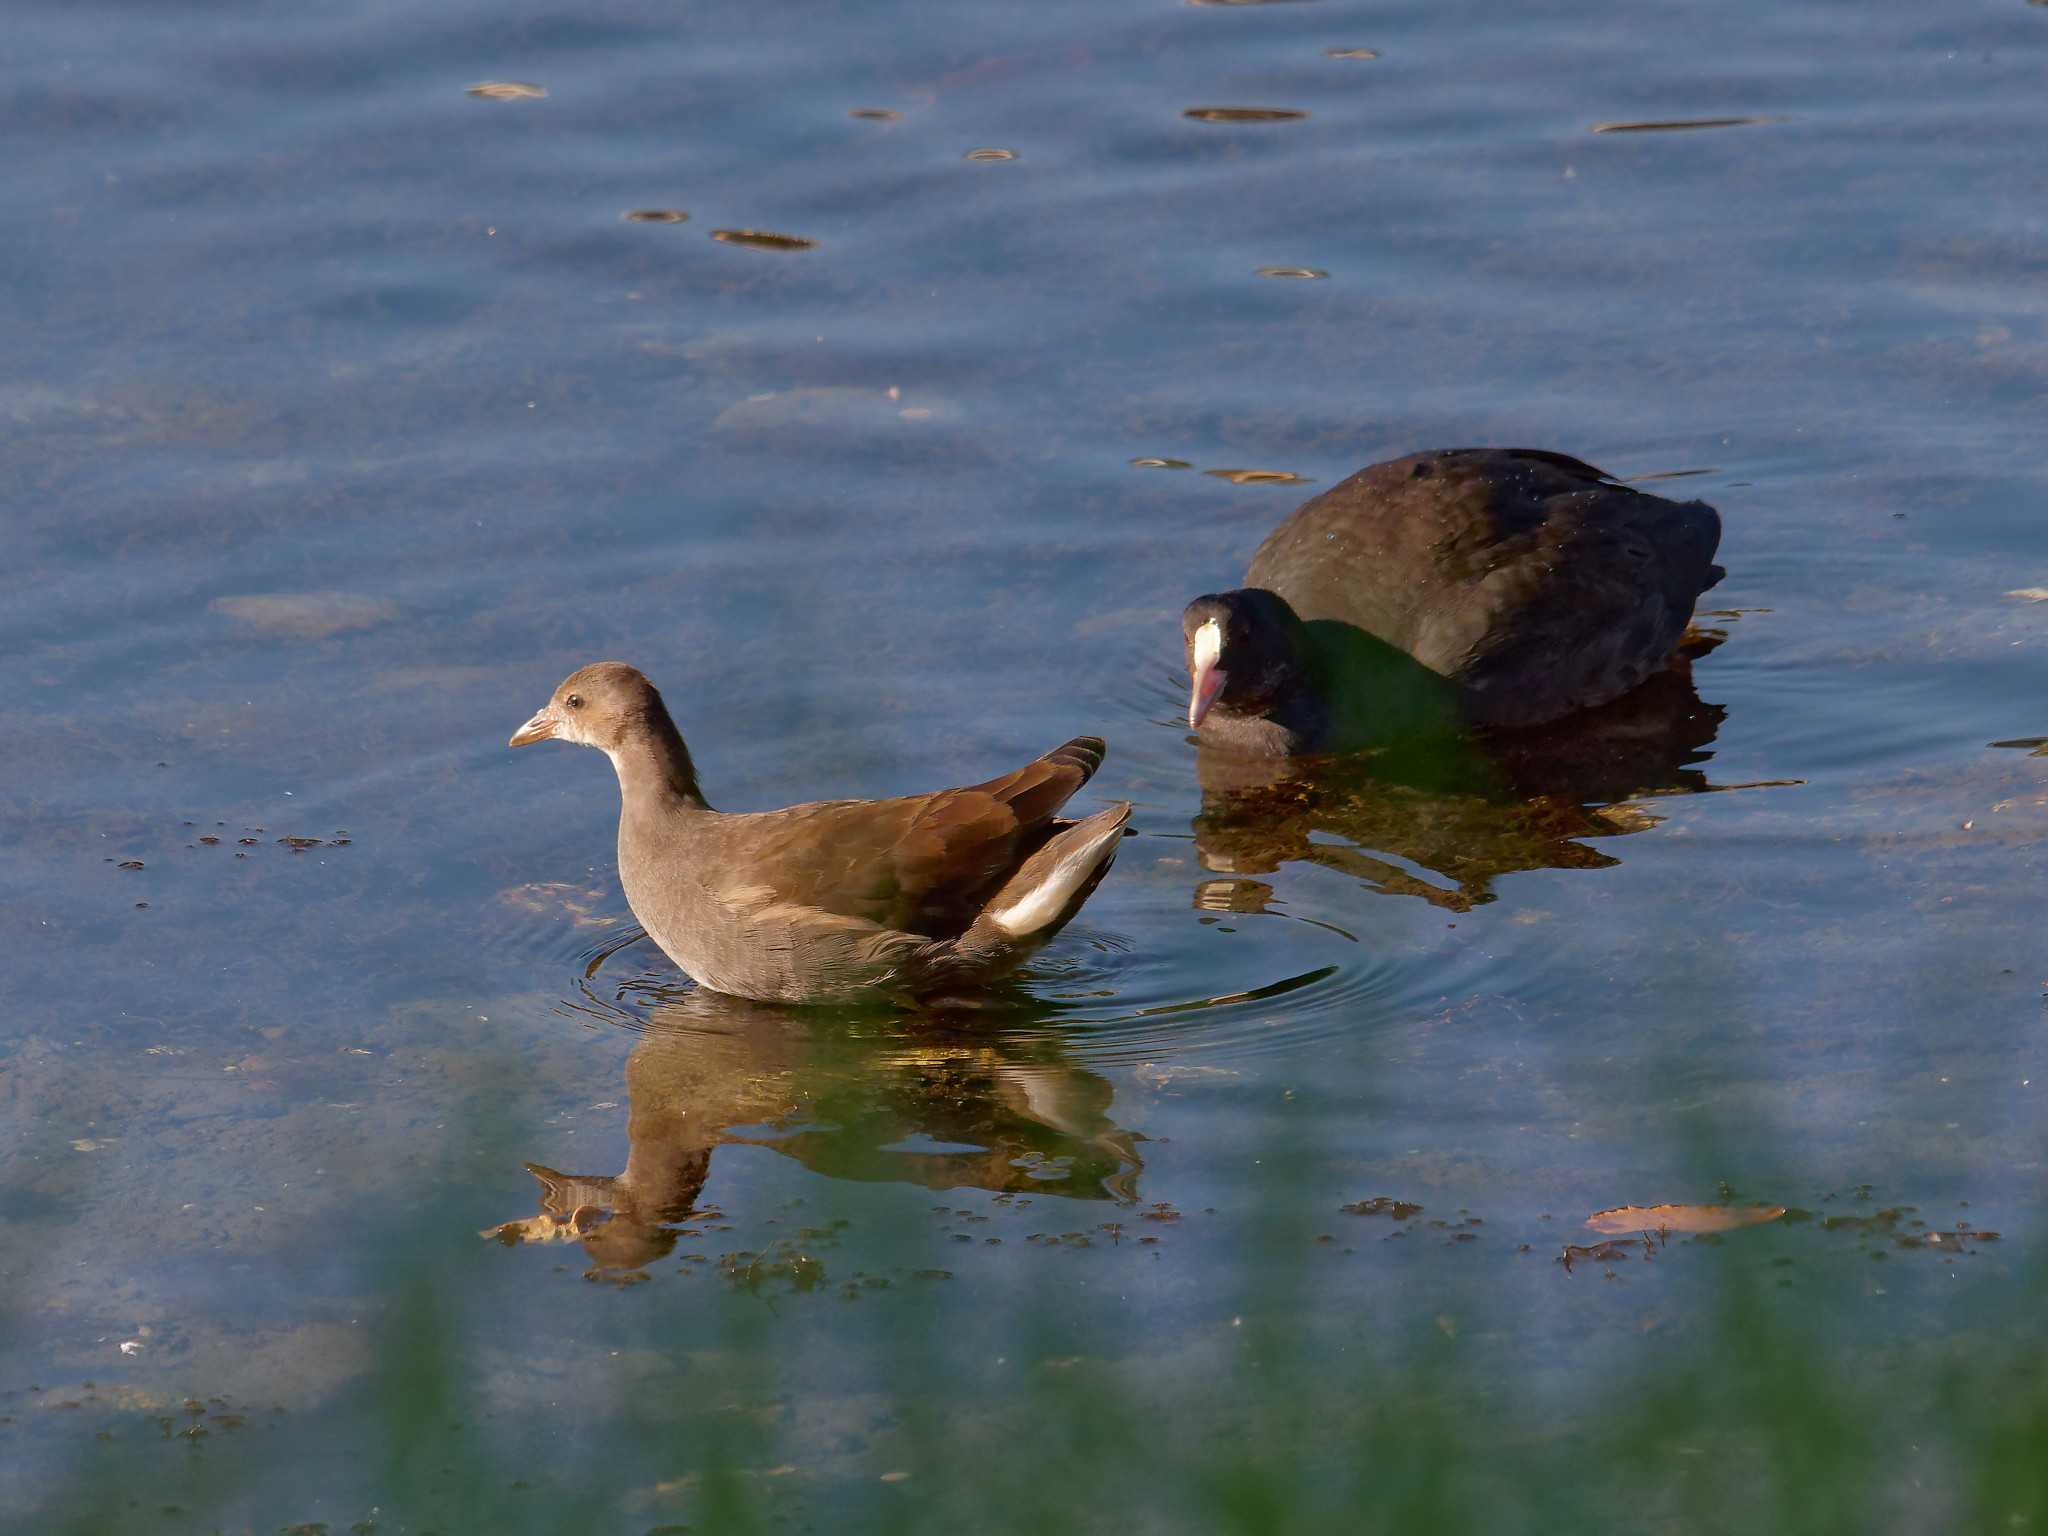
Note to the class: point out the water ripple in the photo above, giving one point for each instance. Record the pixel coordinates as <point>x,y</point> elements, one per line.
<point>1681,124</point>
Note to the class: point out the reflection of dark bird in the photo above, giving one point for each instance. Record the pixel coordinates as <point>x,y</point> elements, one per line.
<point>838,898</point>
<point>1470,587</point>
<point>1466,811</point>
<point>975,1112</point>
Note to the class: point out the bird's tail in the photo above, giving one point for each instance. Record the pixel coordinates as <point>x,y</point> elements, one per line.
<point>1047,888</point>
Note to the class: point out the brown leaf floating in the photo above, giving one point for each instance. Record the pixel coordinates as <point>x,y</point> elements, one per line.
<point>1681,1218</point>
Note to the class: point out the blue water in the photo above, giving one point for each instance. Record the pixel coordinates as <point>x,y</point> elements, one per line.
<point>346,412</point>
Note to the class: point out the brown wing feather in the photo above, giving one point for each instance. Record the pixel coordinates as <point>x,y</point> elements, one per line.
<point>919,863</point>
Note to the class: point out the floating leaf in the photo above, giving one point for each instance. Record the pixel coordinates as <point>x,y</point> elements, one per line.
<point>763,240</point>
<point>508,90</point>
<point>1244,114</point>
<point>1682,1218</point>
<point>1258,476</point>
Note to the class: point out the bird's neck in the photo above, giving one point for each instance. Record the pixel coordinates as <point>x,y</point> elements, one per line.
<point>1285,720</point>
<point>1287,727</point>
<point>654,766</point>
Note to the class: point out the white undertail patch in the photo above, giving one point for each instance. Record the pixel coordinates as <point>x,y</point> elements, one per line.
<point>1045,900</point>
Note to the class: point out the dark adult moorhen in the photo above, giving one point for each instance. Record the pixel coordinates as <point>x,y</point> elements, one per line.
<point>1489,587</point>
<point>837,899</point>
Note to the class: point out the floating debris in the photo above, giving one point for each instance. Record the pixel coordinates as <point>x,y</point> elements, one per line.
<point>875,114</point>
<point>1351,53</point>
<point>793,1268</point>
<point>1305,272</point>
<point>1607,1252</point>
<point>1681,124</point>
<point>990,153</point>
<point>655,216</point>
<point>763,240</point>
<point>1383,1205</point>
<point>1258,476</point>
<point>1682,1218</point>
<point>1149,463</point>
<point>1244,114</point>
<point>508,90</point>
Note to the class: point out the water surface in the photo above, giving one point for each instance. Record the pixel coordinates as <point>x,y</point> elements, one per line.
<point>348,409</point>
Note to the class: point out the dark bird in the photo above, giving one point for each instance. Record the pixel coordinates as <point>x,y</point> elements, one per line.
<point>836,899</point>
<point>1472,587</point>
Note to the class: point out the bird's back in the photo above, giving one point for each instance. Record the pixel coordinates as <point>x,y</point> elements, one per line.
<point>784,903</point>
<point>1529,578</point>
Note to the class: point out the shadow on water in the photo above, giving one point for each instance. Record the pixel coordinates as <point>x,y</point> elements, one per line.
<point>931,1100</point>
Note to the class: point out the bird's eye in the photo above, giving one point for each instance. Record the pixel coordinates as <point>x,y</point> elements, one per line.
<point>574,701</point>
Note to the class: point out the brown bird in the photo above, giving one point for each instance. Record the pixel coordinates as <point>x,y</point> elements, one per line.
<point>1491,587</point>
<point>836,899</point>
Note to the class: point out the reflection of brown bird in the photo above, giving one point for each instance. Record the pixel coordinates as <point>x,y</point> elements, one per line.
<point>1465,811</point>
<point>941,1105</point>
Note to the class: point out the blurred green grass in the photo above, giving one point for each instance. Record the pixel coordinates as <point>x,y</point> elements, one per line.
<point>1782,1405</point>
